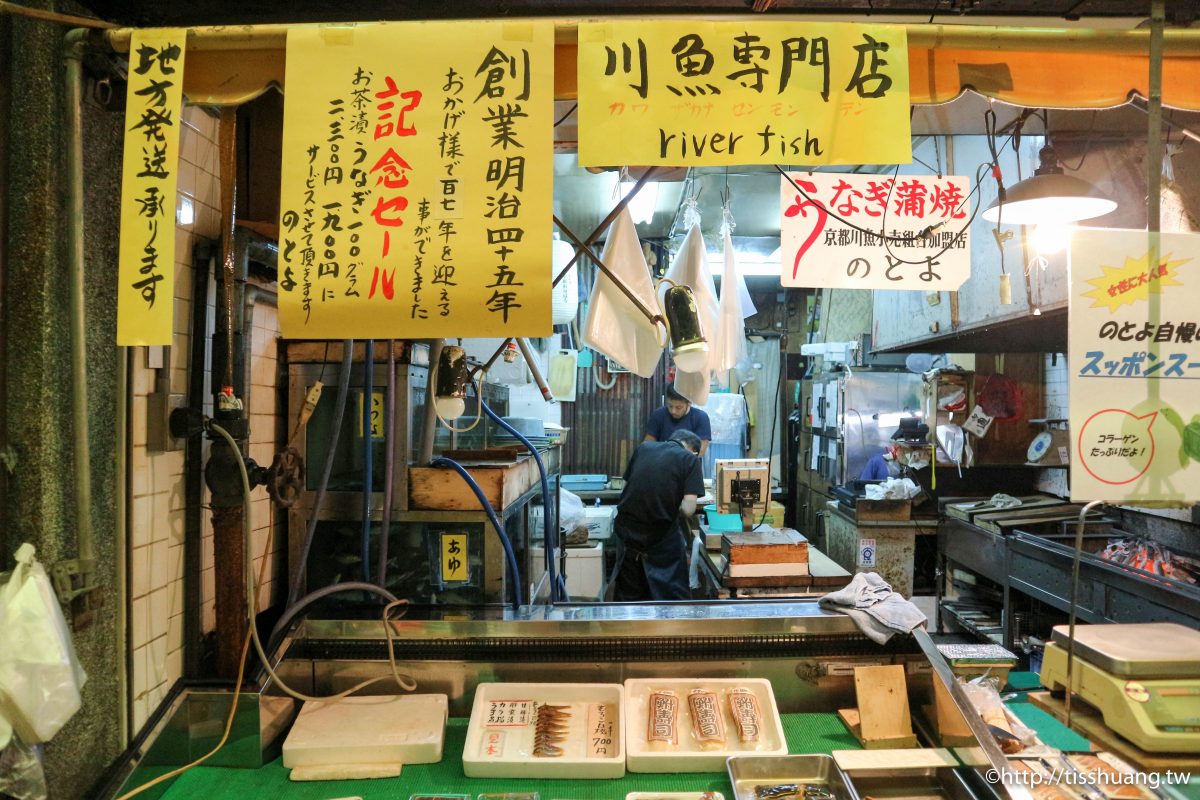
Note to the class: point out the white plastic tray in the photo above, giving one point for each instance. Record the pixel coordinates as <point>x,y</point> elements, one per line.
<point>372,729</point>
<point>688,756</point>
<point>674,796</point>
<point>505,749</point>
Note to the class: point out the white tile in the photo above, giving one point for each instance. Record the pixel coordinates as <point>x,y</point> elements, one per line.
<point>141,521</point>
<point>160,612</point>
<point>176,527</point>
<point>175,632</point>
<point>139,471</point>
<point>137,420</point>
<point>139,571</point>
<point>140,712</point>
<point>140,679</point>
<point>174,667</point>
<point>158,667</point>
<point>208,585</point>
<point>162,508</point>
<point>260,516</point>
<point>208,617</point>
<point>139,622</point>
<point>175,588</point>
<point>160,574</point>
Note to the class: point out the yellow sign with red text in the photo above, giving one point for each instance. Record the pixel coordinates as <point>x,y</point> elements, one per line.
<point>693,93</point>
<point>417,180</point>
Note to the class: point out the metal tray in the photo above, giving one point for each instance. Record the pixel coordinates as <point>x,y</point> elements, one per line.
<point>747,773</point>
<point>910,784</point>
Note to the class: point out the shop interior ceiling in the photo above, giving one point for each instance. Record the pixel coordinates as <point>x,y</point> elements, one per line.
<point>246,12</point>
<point>583,198</point>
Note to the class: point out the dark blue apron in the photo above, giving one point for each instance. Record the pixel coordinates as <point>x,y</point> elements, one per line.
<point>662,560</point>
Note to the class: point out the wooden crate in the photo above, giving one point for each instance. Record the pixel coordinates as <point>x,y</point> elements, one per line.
<point>888,510</point>
<point>766,546</point>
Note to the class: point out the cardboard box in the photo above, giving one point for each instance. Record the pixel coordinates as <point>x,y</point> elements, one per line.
<point>730,469</point>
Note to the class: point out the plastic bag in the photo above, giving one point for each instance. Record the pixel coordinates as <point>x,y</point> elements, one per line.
<point>40,677</point>
<point>21,773</point>
<point>985,697</point>
<point>570,511</point>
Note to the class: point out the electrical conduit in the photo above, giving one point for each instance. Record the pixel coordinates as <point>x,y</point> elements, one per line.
<point>557,590</point>
<point>334,432</point>
<point>368,398</point>
<point>389,464</point>
<point>491,513</point>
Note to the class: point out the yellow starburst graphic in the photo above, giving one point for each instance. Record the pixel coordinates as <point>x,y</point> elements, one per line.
<point>1135,280</point>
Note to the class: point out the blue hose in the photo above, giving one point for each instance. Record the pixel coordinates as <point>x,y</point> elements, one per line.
<point>368,455</point>
<point>441,461</point>
<point>558,590</point>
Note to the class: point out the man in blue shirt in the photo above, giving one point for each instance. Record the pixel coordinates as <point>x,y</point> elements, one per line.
<point>675,415</point>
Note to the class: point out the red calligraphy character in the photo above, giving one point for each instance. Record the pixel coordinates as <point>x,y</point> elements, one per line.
<point>948,200</point>
<point>910,199</point>
<point>385,205</point>
<point>386,126</point>
<point>847,207</point>
<point>394,168</point>
<point>389,283</point>
<point>876,196</point>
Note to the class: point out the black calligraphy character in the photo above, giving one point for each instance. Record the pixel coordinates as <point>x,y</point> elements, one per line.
<point>506,206</point>
<point>643,82</point>
<point>157,92</point>
<point>929,275</point>
<point>858,263</point>
<point>153,122</point>
<point>501,171</point>
<point>503,120</point>
<point>502,302</point>
<point>801,50</point>
<point>692,60</point>
<point>894,265</point>
<point>747,52</point>
<point>454,82</point>
<point>858,83</point>
<point>147,55</point>
<point>151,203</point>
<point>499,65</point>
<point>154,162</point>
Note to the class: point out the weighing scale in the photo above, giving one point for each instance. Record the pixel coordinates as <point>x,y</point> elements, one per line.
<point>1143,678</point>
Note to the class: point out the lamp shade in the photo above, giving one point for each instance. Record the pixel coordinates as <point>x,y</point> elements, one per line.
<point>1049,196</point>
<point>687,336</point>
<point>451,384</point>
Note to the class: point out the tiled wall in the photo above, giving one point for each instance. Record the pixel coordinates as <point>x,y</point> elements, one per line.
<point>156,530</point>
<point>1054,481</point>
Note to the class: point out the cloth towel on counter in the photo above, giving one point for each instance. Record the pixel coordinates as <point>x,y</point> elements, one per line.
<point>878,611</point>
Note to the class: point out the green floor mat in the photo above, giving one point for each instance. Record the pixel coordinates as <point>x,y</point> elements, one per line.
<point>1049,730</point>
<point>805,733</point>
<point>1023,682</point>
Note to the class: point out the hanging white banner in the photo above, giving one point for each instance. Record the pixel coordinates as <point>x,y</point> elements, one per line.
<point>1134,350</point>
<point>906,232</point>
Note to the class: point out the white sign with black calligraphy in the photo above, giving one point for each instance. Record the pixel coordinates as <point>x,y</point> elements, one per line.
<point>850,231</point>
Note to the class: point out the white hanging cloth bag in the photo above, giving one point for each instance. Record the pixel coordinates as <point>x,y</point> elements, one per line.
<point>614,325</point>
<point>40,677</point>
<point>730,351</point>
<point>690,268</point>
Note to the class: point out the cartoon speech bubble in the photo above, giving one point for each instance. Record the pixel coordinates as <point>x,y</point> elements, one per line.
<point>1115,446</point>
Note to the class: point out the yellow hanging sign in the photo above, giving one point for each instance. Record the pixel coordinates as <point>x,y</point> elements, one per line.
<point>454,558</point>
<point>146,269</point>
<point>693,93</point>
<point>417,181</point>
